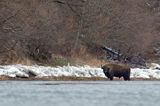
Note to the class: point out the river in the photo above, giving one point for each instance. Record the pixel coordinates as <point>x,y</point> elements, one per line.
<point>79,93</point>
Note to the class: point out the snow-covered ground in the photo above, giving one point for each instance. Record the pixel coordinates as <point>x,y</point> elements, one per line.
<point>77,71</point>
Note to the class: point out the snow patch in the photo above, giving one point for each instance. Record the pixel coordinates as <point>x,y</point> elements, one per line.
<point>77,71</point>
<point>154,66</point>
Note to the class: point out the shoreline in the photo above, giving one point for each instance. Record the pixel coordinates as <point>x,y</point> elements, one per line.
<point>65,78</point>
<point>69,73</point>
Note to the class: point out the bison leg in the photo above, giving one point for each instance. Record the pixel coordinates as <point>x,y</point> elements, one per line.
<point>111,78</point>
<point>126,77</point>
<point>111,75</point>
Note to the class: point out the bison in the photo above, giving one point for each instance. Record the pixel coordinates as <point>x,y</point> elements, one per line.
<point>116,70</point>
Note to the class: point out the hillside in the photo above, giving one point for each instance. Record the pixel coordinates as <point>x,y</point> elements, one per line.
<point>61,31</point>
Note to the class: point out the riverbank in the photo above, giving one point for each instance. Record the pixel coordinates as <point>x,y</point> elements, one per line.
<point>61,78</point>
<point>64,78</point>
<point>70,73</point>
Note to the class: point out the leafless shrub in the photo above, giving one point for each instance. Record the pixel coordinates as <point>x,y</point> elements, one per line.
<point>72,28</point>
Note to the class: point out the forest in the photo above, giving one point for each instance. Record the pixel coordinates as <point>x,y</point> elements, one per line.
<point>58,32</point>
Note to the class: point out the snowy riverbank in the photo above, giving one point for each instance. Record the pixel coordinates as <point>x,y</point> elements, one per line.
<point>71,71</point>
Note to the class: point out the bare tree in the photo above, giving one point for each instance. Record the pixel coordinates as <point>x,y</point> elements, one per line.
<point>33,28</point>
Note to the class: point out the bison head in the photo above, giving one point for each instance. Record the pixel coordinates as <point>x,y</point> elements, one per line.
<point>105,70</point>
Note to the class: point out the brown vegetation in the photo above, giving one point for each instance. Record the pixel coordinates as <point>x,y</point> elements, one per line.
<point>46,31</point>
<point>64,78</point>
<point>60,78</point>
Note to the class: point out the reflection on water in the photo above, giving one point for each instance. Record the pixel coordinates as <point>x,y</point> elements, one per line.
<point>98,93</point>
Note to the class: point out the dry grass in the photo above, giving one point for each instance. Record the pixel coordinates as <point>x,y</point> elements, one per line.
<point>2,78</point>
<point>24,61</point>
<point>64,78</point>
<point>88,60</point>
<point>61,78</point>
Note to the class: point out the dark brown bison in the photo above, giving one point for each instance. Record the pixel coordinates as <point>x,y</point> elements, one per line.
<point>116,70</point>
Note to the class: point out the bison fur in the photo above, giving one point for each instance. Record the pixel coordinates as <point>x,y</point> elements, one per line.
<point>112,70</point>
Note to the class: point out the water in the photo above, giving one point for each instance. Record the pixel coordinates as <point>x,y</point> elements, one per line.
<point>71,93</point>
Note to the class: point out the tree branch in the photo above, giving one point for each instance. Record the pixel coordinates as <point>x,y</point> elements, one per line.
<point>8,18</point>
<point>60,2</point>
